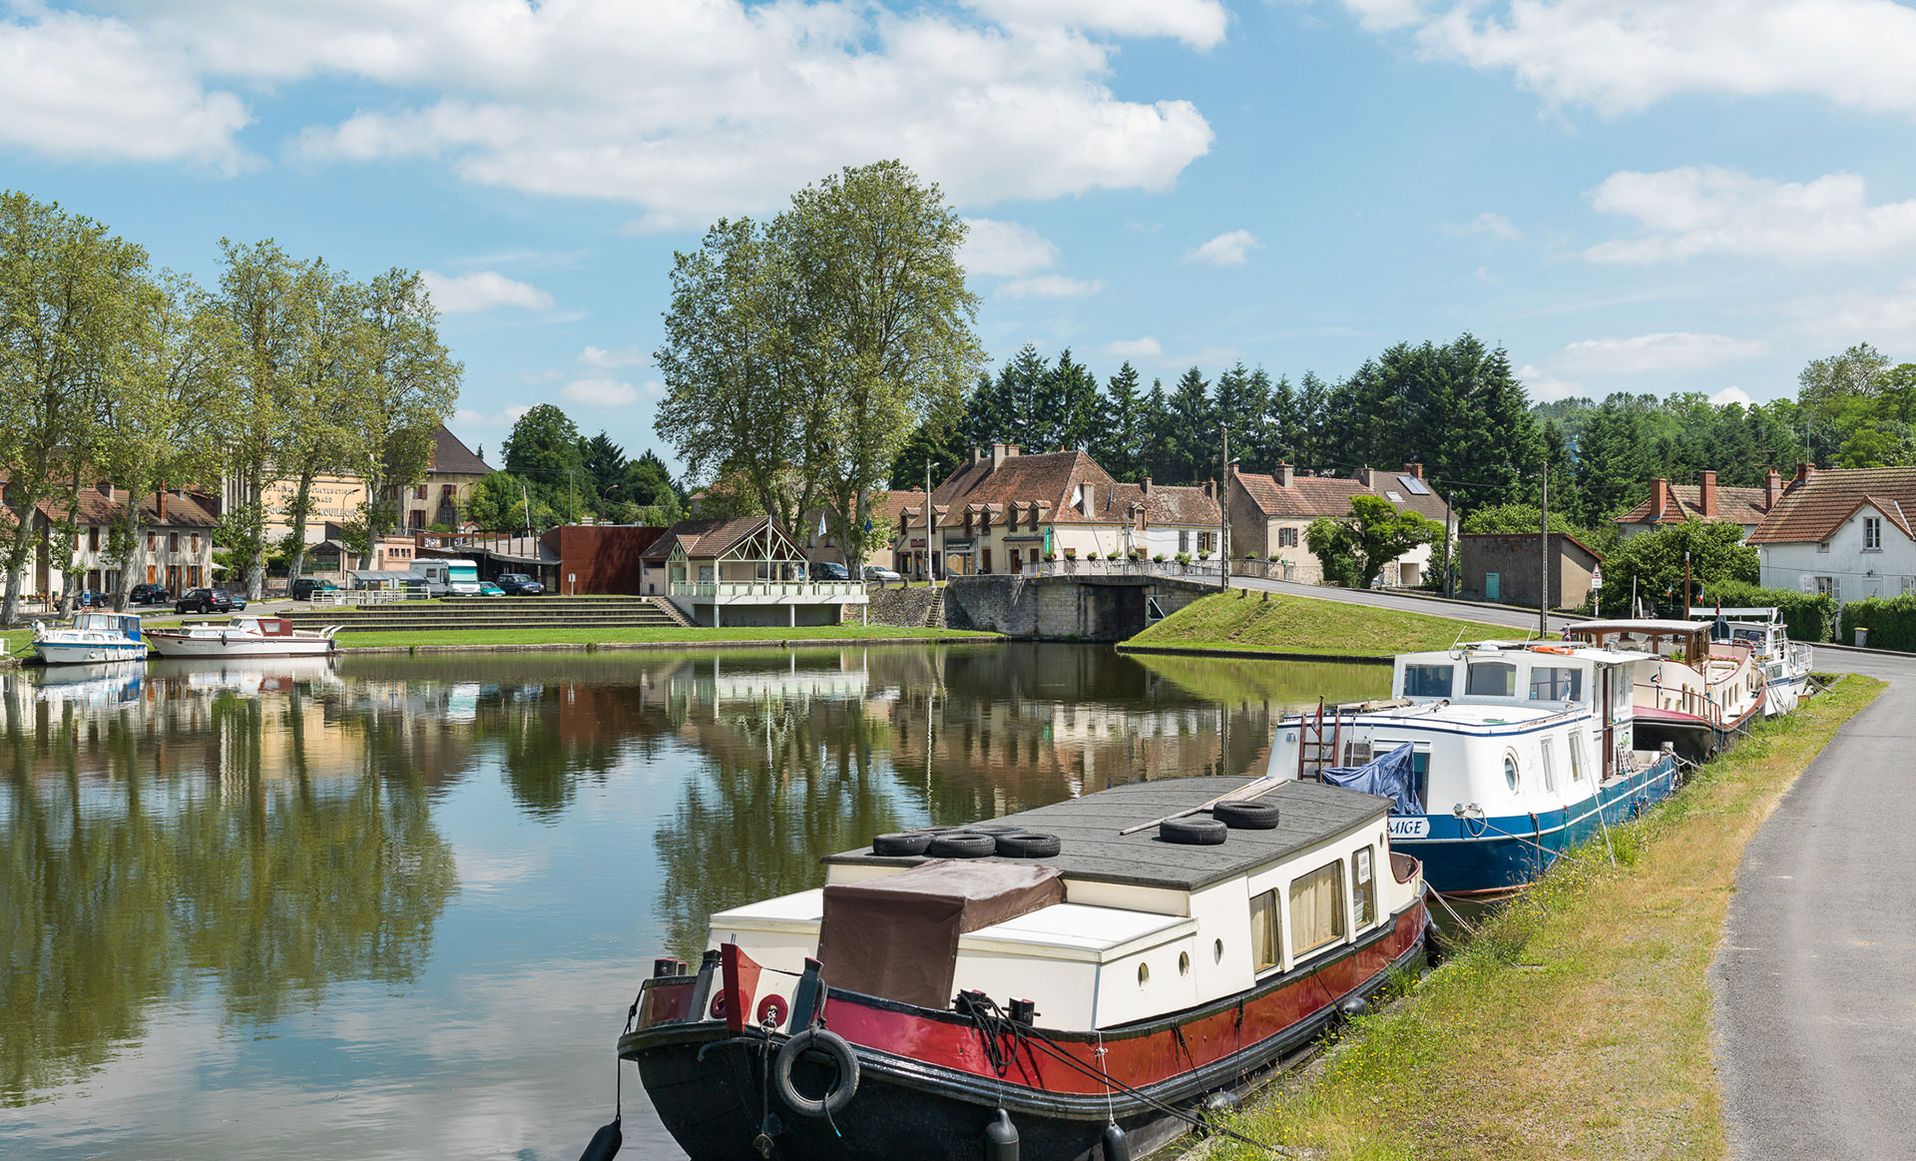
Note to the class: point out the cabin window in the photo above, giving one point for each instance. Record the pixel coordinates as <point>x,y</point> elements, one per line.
<point>1264,931</point>
<point>1556,683</point>
<point>1363,887</point>
<point>1510,771</point>
<point>1549,750</point>
<point>1576,758</point>
<point>1427,680</point>
<point>1317,908</point>
<point>1491,679</point>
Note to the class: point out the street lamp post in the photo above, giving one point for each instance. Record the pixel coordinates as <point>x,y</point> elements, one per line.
<point>1224,514</point>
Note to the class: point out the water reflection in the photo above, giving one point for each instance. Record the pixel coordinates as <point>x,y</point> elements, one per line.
<point>193,850</point>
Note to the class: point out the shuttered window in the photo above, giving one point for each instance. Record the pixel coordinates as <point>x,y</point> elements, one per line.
<point>1317,909</point>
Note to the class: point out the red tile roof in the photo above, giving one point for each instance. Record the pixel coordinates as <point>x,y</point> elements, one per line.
<point>95,507</point>
<point>1811,510</point>
<point>1049,480</point>
<point>1733,505</point>
<point>1166,504</point>
<point>1309,497</point>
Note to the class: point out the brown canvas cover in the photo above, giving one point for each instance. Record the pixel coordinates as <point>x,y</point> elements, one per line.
<point>896,937</point>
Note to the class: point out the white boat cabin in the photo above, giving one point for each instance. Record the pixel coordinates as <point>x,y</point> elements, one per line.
<point>1694,682</point>
<point>1140,928</point>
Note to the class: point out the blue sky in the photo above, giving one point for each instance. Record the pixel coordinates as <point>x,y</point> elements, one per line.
<point>1650,195</point>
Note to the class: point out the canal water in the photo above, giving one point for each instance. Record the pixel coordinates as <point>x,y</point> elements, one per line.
<point>396,907</point>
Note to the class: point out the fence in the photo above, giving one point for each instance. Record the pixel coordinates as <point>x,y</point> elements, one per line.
<point>1196,570</point>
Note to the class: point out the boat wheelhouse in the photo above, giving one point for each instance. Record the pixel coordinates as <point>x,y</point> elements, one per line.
<point>91,639</point>
<point>243,637</point>
<point>1081,976</point>
<point>1497,757</point>
<point>1697,693</point>
<point>1786,664</point>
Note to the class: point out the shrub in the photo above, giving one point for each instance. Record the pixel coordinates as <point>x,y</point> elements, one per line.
<point>1272,557</point>
<point>1158,557</point>
<point>1184,558</point>
<point>1808,616</point>
<point>1205,555</point>
<point>1891,622</point>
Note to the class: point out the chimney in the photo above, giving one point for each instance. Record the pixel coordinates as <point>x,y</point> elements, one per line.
<point>1210,489</point>
<point>1365,476</point>
<point>1414,471</point>
<point>1803,473</point>
<point>999,454</point>
<point>106,488</point>
<point>159,506</point>
<point>1772,488</point>
<point>1706,494</point>
<point>977,455</point>
<point>1282,476</point>
<point>1146,486</point>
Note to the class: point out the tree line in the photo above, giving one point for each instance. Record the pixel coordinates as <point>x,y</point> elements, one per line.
<point>555,475</point>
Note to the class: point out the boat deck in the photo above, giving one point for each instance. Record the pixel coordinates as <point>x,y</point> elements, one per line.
<point>1092,849</point>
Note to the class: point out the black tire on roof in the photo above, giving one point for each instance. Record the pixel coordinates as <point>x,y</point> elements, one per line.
<point>1194,832</point>
<point>1246,815</point>
<point>962,845</point>
<point>902,844</point>
<point>1028,845</point>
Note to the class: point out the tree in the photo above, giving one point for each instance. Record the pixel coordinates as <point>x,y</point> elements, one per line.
<point>1514,520</point>
<point>1187,444</point>
<point>543,450</point>
<point>1610,472</point>
<point>323,397</point>
<point>408,387</point>
<point>1654,560</point>
<point>1068,406</point>
<point>605,462</point>
<point>1118,441</point>
<point>1355,548</point>
<point>258,298</point>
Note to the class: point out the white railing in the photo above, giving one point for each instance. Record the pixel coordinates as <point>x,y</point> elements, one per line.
<point>359,597</point>
<point>766,590</point>
<point>1197,569</point>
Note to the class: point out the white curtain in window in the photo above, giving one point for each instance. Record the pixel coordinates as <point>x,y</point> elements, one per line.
<point>1317,908</point>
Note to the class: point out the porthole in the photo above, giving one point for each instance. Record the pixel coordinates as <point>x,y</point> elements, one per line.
<point>1510,770</point>
<point>1144,974</point>
<point>1217,951</point>
<point>1184,963</point>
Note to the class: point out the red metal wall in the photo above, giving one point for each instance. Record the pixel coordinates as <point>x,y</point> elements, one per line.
<point>605,560</point>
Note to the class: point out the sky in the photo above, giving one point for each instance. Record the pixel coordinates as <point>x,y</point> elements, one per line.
<point>1640,195</point>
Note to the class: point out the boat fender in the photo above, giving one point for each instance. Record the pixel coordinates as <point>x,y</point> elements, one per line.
<point>832,1045</point>
<point>1116,1147</point>
<point>1001,1139</point>
<point>1353,1007</point>
<point>1193,832</point>
<point>605,1143</point>
<point>1246,815</point>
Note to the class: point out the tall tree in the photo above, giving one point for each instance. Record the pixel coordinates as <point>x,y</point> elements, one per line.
<point>543,450</point>
<point>1118,442</point>
<point>408,387</point>
<point>1190,440</point>
<point>605,462</point>
<point>259,298</point>
<point>324,395</point>
<point>1068,406</point>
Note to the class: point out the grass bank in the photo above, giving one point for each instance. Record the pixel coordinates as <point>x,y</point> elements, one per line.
<point>17,641</point>
<point>663,635</point>
<point>1243,621</point>
<point>1577,1022</point>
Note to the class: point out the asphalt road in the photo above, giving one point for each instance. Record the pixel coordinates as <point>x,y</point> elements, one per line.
<point>1815,980</point>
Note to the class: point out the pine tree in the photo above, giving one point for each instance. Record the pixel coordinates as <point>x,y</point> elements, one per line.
<point>1067,411</point>
<point>1118,441</point>
<point>1190,433</point>
<point>1156,423</point>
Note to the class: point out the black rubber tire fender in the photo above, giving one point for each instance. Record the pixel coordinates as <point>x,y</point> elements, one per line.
<point>1193,832</point>
<point>962,844</point>
<point>1246,815</point>
<point>832,1045</point>
<point>1028,844</point>
<point>905,843</point>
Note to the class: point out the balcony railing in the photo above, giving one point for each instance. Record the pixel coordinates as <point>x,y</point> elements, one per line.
<point>767,590</point>
<point>1196,569</point>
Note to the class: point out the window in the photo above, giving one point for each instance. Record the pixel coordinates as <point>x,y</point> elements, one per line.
<point>1556,683</point>
<point>1829,586</point>
<point>93,539</point>
<point>1549,750</point>
<point>1394,497</point>
<point>1491,679</point>
<point>1510,771</point>
<point>1317,908</point>
<point>1184,541</point>
<point>1363,887</point>
<point>1872,534</point>
<point>196,542</point>
<point>1287,538</point>
<point>1358,752</point>
<point>1264,930</point>
<point>1823,546</point>
<point>1016,560</point>
<point>1576,757</point>
<point>1427,680</point>
<point>419,493</point>
<point>152,541</point>
<point>172,542</point>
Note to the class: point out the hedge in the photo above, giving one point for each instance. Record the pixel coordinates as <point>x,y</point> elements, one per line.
<point>1891,622</point>
<point>1808,616</point>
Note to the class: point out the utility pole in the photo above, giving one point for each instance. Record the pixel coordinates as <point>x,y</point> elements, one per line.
<point>930,576</point>
<point>1445,563</point>
<point>1685,613</point>
<point>1543,592</point>
<point>1224,515</point>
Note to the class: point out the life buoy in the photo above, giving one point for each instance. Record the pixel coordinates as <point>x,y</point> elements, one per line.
<point>832,1045</point>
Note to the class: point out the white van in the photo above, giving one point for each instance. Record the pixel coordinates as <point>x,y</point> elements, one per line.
<point>443,578</point>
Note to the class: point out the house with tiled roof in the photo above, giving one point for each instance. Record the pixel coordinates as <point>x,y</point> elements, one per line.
<point>1006,508</point>
<point>453,470</point>
<point>1271,513</point>
<point>1705,500</point>
<point>1847,532</point>
<point>172,543</point>
<point>742,571</point>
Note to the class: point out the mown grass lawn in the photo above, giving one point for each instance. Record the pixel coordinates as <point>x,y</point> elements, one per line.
<point>1247,621</point>
<point>16,639</point>
<point>365,639</point>
<point>1577,1022</point>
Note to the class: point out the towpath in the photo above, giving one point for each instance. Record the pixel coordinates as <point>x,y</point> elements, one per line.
<point>1815,981</point>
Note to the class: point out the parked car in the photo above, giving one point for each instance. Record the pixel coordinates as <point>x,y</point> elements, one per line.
<point>204,601</point>
<point>239,601</point>
<point>829,570</point>
<point>149,594</point>
<point>306,586</point>
<point>488,589</point>
<point>519,584</point>
<point>881,574</point>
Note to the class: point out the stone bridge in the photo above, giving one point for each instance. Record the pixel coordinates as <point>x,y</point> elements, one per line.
<point>1067,608</point>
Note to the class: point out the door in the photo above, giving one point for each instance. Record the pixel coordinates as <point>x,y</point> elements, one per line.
<point>1608,709</point>
<point>1493,586</point>
<point>984,561</point>
<point>1017,561</point>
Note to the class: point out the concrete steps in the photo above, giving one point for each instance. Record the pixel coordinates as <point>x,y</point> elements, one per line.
<point>497,613</point>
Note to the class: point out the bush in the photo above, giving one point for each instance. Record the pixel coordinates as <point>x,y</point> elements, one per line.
<point>1891,622</point>
<point>1184,558</point>
<point>1808,616</point>
<point>1158,557</point>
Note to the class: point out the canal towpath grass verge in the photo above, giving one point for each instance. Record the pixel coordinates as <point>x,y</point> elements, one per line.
<point>673,636</point>
<point>1287,627</point>
<point>1576,1022</point>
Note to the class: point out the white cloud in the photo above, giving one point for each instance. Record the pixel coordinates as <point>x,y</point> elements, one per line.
<point>1198,23</point>
<point>995,248</point>
<point>1664,351</point>
<point>1731,395</point>
<point>1545,387</point>
<point>482,290</point>
<point>1051,286</point>
<point>1144,348</point>
<point>473,417</point>
<point>1487,225</point>
<point>1695,211</point>
<point>600,393</point>
<point>1857,316</point>
<point>76,86</point>
<point>1624,55</point>
<point>612,358</point>
<point>1228,249</point>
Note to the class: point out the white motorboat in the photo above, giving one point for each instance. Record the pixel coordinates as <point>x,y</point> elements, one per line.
<point>1785,663</point>
<point>92,638</point>
<point>243,637</point>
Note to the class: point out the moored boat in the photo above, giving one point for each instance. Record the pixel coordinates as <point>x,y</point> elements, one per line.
<point>1497,757</point>
<point>1698,692</point>
<point>91,639</point>
<point>242,637</point>
<point>1785,664</point>
<point>1071,985</point>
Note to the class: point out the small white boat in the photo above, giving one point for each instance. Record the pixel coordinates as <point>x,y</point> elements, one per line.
<point>1786,664</point>
<point>92,638</point>
<point>243,637</point>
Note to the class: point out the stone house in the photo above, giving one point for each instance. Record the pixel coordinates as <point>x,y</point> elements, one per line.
<point>1847,532</point>
<point>1707,500</point>
<point>173,543</point>
<point>1508,569</point>
<point>1271,513</point>
<point>452,472</point>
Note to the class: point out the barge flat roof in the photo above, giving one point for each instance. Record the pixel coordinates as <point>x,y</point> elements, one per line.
<point>1091,847</point>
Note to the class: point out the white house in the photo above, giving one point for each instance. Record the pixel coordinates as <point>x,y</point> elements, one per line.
<point>1848,532</point>
<point>739,572</point>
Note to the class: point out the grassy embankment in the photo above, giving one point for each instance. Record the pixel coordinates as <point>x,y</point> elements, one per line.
<point>1577,1022</point>
<point>1276,623</point>
<point>661,635</point>
<point>17,641</point>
